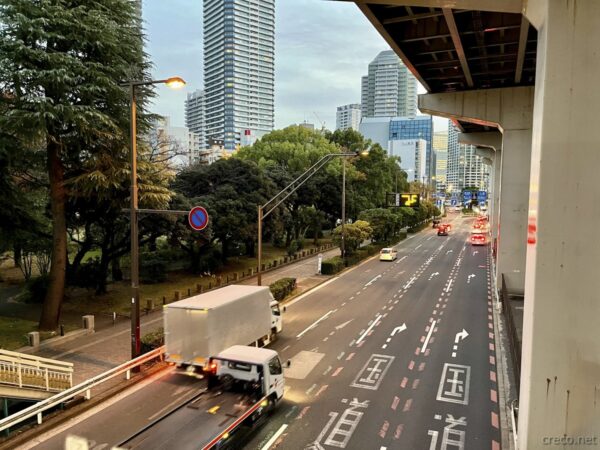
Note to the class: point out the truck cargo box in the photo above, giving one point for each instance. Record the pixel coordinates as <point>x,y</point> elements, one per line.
<point>208,323</point>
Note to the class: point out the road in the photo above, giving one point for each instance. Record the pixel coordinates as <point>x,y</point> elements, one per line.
<point>389,355</point>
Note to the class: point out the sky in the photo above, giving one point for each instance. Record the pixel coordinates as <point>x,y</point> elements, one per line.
<point>322,49</point>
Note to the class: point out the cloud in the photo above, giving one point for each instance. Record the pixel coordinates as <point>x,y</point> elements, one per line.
<point>322,49</point>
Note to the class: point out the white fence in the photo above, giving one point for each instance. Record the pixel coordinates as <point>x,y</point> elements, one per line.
<point>32,372</point>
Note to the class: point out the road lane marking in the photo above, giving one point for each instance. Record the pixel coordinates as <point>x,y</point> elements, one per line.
<point>428,336</point>
<point>373,280</point>
<point>350,356</point>
<point>321,390</point>
<point>395,403</point>
<point>368,329</point>
<point>337,372</point>
<point>271,441</point>
<point>310,389</point>
<point>324,317</point>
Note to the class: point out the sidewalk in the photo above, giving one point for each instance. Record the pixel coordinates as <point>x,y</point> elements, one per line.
<point>110,346</point>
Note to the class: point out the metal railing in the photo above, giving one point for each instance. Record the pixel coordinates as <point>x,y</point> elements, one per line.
<point>514,415</point>
<point>32,372</point>
<point>84,388</point>
<point>515,347</point>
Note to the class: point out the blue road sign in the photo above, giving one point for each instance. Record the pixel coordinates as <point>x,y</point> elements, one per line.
<point>467,195</point>
<point>453,202</point>
<point>198,218</point>
<point>481,196</point>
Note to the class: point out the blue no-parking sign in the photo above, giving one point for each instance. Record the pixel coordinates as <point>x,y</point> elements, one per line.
<point>198,218</point>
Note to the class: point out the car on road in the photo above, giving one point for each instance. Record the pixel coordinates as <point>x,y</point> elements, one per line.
<point>388,254</point>
<point>443,229</point>
<point>478,239</point>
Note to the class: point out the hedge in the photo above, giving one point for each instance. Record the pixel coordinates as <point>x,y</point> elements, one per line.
<point>282,288</point>
<point>153,340</point>
<point>332,265</point>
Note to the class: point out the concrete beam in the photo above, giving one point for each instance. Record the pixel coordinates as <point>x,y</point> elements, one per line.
<point>508,6</point>
<point>489,139</point>
<point>504,108</point>
<point>488,155</point>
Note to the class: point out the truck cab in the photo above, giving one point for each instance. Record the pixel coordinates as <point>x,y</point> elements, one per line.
<point>248,369</point>
<point>276,322</point>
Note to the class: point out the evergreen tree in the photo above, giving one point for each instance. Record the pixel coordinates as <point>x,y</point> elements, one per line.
<point>61,62</point>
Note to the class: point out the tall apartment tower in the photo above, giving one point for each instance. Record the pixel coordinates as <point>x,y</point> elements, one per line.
<point>348,116</point>
<point>195,117</point>
<point>465,168</point>
<point>239,69</point>
<point>440,149</point>
<point>389,89</point>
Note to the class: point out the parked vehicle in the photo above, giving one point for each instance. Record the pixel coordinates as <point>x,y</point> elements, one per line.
<point>388,254</point>
<point>244,385</point>
<point>208,323</point>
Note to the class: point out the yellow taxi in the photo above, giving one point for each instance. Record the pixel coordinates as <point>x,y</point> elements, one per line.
<point>388,254</point>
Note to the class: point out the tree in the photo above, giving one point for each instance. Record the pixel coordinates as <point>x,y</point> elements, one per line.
<point>385,223</point>
<point>354,235</point>
<point>60,68</point>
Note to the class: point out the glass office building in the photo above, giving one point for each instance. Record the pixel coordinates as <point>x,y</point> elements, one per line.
<point>239,69</point>
<point>421,127</point>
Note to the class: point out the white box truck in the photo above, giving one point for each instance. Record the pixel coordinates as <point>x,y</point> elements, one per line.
<point>206,324</point>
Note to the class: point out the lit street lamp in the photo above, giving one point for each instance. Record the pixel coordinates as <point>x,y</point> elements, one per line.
<point>175,83</point>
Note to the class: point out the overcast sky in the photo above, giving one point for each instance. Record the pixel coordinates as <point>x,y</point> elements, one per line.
<point>322,48</point>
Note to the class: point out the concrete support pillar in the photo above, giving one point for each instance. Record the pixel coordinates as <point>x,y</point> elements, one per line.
<point>511,248</point>
<point>560,373</point>
<point>495,213</point>
<point>510,110</point>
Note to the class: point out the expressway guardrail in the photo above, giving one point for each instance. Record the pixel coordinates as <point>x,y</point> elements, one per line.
<point>84,388</point>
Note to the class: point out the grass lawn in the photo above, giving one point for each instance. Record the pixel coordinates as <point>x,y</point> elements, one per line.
<point>13,332</point>
<point>118,297</point>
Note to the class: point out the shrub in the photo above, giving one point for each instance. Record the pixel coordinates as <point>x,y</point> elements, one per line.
<point>153,270</point>
<point>87,274</point>
<point>153,340</point>
<point>282,288</point>
<point>332,265</point>
<point>36,289</point>
<point>293,248</point>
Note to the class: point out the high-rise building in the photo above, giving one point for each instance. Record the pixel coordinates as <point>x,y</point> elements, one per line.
<point>420,127</point>
<point>195,117</point>
<point>440,149</point>
<point>389,89</point>
<point>465,167</point>
<point>239,69</point>
<point>348,116</point>
<point>412,154</point>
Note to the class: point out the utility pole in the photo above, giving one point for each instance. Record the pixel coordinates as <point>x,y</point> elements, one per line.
<point>343,243</point>
<point>260,219</point>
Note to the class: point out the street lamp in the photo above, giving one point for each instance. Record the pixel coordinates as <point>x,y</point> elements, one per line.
<point>293,187</point>
<point>175,83</point>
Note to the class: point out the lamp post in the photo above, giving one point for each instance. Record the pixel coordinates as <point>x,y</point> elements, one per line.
<point>267,208</point>
<point>175,83</point>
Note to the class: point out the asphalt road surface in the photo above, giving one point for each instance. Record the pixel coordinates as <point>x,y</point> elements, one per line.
<point>390,355</point>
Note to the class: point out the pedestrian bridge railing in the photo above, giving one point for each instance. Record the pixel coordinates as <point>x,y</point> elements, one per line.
<point>37,410</point>
<point>32,372</point>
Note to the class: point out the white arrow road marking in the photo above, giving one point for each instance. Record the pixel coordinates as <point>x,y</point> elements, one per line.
<point>316,323</point>
<point>475,252</point>
<point>373,280</point>
<point>434,274</point>
<point>399,329</point>
<point>342,325</point>
<point>428,336</point>
<point>369,329</point>
<point>469,278</point>
<point>461,335</point>
<point>449,251</point>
